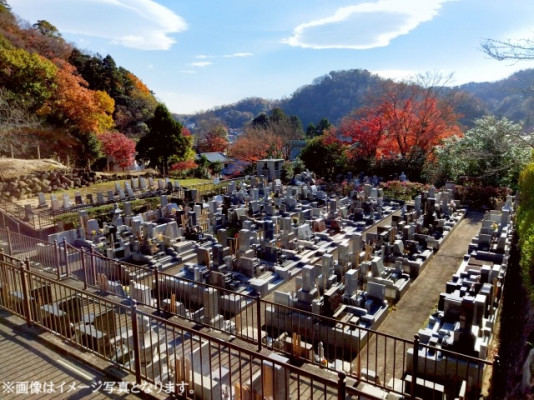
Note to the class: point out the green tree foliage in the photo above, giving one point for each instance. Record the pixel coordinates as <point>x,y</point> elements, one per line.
<point>332,96</point>
<point>525,225</point>
<point>235,115</point>
<point>325,157</point>
<point>28,75</point>
<point>313,130</point>
<point>163,142</point>
<point>46,28</point>
<point>494,152</point>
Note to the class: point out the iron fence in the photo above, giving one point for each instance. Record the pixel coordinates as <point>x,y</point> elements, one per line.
<point>182,360</point>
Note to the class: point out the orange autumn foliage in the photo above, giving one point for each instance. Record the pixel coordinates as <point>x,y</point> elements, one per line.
<point>77,106</point>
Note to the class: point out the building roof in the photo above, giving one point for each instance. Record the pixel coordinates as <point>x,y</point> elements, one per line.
<point>215,156</point>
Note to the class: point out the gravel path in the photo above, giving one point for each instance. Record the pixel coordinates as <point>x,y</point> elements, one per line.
<point>412,311</point>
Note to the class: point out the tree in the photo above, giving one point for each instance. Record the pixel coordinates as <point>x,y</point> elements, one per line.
<point>119,147</point>
<point>46,28</point>
<point>256,144</point>
<point>164,140</point>
<point>281,129</point>
<point>494,152</point>
<point>73,104</point>
<point>402,128</point>
<point>325,155</point>
<point>212,136</point>
<point>28,75</point>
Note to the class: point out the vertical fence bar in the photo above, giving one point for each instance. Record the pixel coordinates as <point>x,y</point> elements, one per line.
<point>66,251</point>
<point>84,268</point>
<point>158,304</point>
<point>414,365</point>
<point>258,320</point>
<point>93,267</point>
<point>496,388</point>
<point>58,260</point>
<point>25,294</point>
<point>341,385</point>
<point>137,356</point>
<point>9,244</point>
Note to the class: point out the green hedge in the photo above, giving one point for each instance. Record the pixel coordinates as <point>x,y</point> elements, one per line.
<point>525,226</point>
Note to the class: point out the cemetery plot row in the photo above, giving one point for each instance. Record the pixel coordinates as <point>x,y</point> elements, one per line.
<point>158,351</point>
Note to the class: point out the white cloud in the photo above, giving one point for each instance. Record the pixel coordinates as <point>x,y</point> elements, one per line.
<point>203,57</point>
<point>139,24</point>
<point>366,25</point>
<point>238,55</point>
<point>397,74</point>
<point>200,64</point>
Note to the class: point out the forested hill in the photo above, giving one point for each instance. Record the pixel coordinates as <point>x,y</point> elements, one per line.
<point>235,116</point>
<point>512,97</point>
<point>331,96</point>
<point>338,93</point>
<point>59,97</point>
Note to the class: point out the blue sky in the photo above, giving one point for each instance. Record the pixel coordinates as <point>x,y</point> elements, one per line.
<point>199,54</point>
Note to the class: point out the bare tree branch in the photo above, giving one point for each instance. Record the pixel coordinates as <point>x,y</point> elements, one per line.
<point>517,50</point>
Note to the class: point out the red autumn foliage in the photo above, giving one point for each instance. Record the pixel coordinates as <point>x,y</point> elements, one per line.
<point>256,144</point>
<point>212,142</point>
<point>406,123</point>
<point>118,146</point>
<point>184,165</point>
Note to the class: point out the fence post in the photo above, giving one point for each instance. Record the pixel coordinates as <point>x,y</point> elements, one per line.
<point>93,266</point>
<point>137,359</point>
<point>496,387</point>
<point>58,259</point>
<point>9,245</point>
<point>258,327</point>
<point>341,385</point>
<point>83,268</point>
<point>158,305</point>
<point>67,266</point>
<point>414,365</point>
<point>25,294</point>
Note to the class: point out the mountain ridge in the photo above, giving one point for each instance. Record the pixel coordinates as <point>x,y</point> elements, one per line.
<point>338,93</point>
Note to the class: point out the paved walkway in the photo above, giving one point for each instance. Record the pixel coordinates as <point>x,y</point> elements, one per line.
<point>30,370</point>
<point>414,308</point>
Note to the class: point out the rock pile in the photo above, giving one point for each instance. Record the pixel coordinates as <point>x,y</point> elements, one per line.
<point>22,187</point>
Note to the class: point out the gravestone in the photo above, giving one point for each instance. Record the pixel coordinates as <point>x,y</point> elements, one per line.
<point>78,199</point>
<point>42,200</point>
<point>376,290</point>
<point>66,201</point>
<point>54,202</point>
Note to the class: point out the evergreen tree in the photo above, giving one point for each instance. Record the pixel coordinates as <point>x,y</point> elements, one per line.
<point>163,141</point>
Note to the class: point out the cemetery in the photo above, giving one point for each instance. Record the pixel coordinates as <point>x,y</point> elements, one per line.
<point>466,312</point>
<point>349,260</point>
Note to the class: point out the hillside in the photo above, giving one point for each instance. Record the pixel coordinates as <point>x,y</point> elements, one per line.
<point>56,99</point>
<point>512,97</point>
<point>234,115</point>
<point>338,93</point>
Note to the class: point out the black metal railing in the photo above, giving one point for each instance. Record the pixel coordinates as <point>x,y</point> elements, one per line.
<point>183,361</point>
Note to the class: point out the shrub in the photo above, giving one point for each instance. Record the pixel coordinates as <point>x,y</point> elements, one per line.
<point>403,190</point>
<point>481,197</point>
